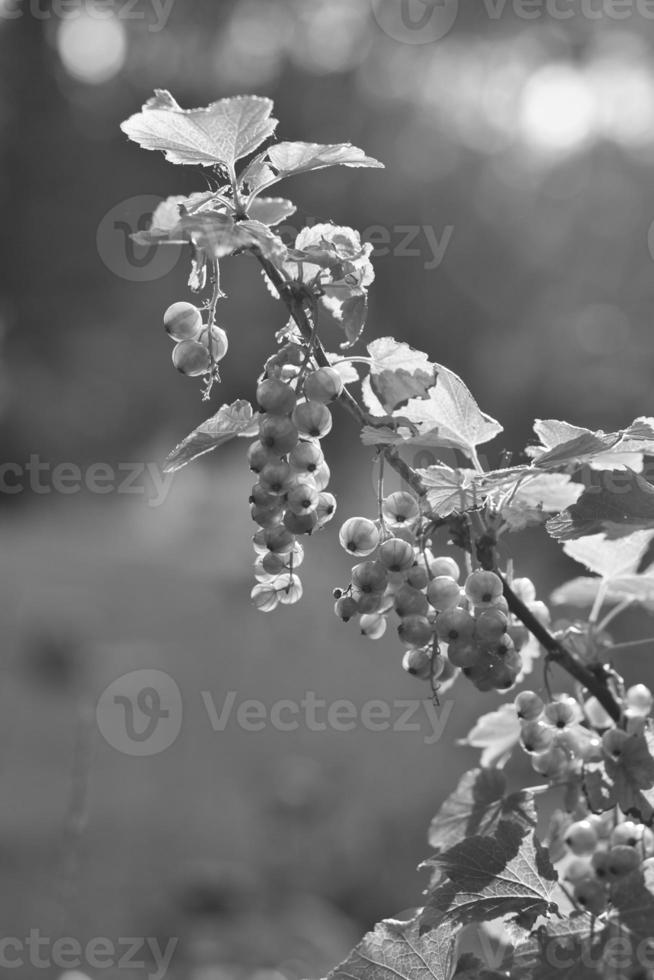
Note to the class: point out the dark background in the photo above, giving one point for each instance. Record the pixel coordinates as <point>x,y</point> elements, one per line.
<point>533,141</point>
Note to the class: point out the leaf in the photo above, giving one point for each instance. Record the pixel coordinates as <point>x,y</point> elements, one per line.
<point>216,234</point>
<point>448,491</point>
<point>398,372</point>
<point>534,497</point>
<point>620,505</point>
<point>496,733</point>
<point>289,159</point>
<point>232,420</point>
<point>610,557</point>
<point>477,806</point>
<point>565,446</point>
<point>348,309</point>
<point>348,372</point>
<point>221,133</point>
<point>627,782</point>
<point>492,877</point>
<point>563,950</point>
<point>396,951</point>
<point>271,210</point>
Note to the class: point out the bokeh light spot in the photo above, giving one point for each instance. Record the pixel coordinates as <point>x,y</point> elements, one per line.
<point>92,49</point>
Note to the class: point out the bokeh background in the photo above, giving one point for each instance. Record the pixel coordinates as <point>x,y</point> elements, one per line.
<point>521,145</point>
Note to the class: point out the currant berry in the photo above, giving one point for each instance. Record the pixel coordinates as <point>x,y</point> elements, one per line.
<point>264,597</point>
<point>397,555</point>
<point>553,763</point>
<point>359,536</point>
<point>417,663</point>
<point>443,593</point>
<point>289,589</point>
<point>345,608</point>
<point>326,508</point>
<point>559,714</point>
<point>273,564</point>
<point>219,342</point>
<point>279,539</point>
<point>536,736</point>
<point>463,653</point>
<point>291,354</point>
<point>259,456</point>
<point>600,865</point>
<point>278,434</point>
<point>400,508</point>
<point>581,837</point>
<point>323,385</point>
<point>275,397</point>
<point>518,633</point>
<point>368,602</point>
<point>183,321</point>
<point>528,706</point>
<point>627,833</point>
<point>455,624</point>
<point>370,577</point>
<point>415,631</point>
<point>191,358</point>
<point>613,743</point>
<point>313,419</point>
<point>483,587</point>
<point>590,894</point>
<point>491,625</point>
<point>266,517</point>
<point>373,626</point>
<point>275,477</point>
<point>639,700</point>
<point>622,860</point>
<point>301,523</point>
<point>410,602</point>
<point>306,457</point>
<point>321,476</point>
<point>417,577</point>
<point>444,565</point>
<point>579,869</point>
<point>303,499</point>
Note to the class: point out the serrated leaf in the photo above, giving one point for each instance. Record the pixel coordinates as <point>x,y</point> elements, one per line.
<point>610,557</point>
<point>449,491</point>
<point>221,133</point>
<point>535,497</point>
<point>216,234</point>
<point>627,782</point>
<point>477,806</point>
<point>565,446</point>
<point>347,370</point>
<point>396,951</point>
<point>229,421</point>
<point>271,210</point>
<point>348,310</point>
<point>288,159</point>
<point>563,950</point>
<point>398,372</point>
<point>621,504</point>
<point>496,733</point>
<point>493,877</point>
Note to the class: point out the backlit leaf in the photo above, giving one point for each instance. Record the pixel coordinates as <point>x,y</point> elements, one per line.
<point>396,951</point>
<point>622,503</point>
<point>229,421</point>
<point>496,733</point>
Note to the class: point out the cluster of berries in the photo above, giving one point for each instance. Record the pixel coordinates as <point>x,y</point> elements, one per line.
<point>603,850</point>
<point>197,348</point>
<point>290,496</point>
<point>561,736</point>
<point>442,625</point>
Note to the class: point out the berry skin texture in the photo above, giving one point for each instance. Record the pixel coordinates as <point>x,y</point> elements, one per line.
<point>591,895</point>
<point>303,499</point>
<point>276,398</point>
<point>313,419</point>
<point>622,860</point>
<point>463,653</point>
<point>273,564</point>
<point>613,743</point>
<point>278,434</point>
<point>415,631</point>
<point>559,714</point>
<point>279,540</point>
<point>370,577</point>
<point>627,833</point>
<point>455,624</point>
<point>418,664</point>
<point>445,565</point>
<point>483,588</point>
<point>264,597</point>
<point>552,763</point>
<point>581,838</point>
<point>536,736</point>
<point>266,517</point>
<point>306,457</point>
<point>191,358</point>
<point>528,706</point>
<point>345,608</point>
<point>275,477</point>
<point>259,456</point>
<point>397,555</point>
<point>491,625</point>
<point>410,602</point>
<point>300,523</point>
<point>326,508</point>
<point>359,536</point>
<point>323,385</point>
<point>417,577</point>
<point>373,626</point>
<point>183,321</point>
<point>400,508</point>
<point>443,593</point>
<point>219,342</point>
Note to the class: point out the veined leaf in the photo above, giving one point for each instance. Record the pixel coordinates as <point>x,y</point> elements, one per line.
<point>496,733</point>
<point>221,133</point>
<point>398,372</point>
<point>396,951</point>
<point>287,159</point>
<point>449,491</point>
<point>271,210</point>
<point>610,557</point>
<point>562,950</point>
<point>229,421</point>
<point>565,446</point>
<point>621,504</point>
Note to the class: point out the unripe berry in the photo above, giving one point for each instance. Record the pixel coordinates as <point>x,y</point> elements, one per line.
<point>455,624</point>
<point>397,555</point>
<point>191,358</point>
<point>536,736</point>
<point>410,602</point>
<point>278,434</point>
<point>183,321</point>
<point>417,577</point>
<point>326,508</point>
<point>415,631</point>
<point>313,419</point>
<point>301,523</point>
<point>323,385</point>
<point>359,536</point>
<point>275,477</point>
<point>259,456</point>
<point>528,706</point>
<point>581,837</point>
<point>491,625</point>
<point>219,342</point>
<point>373,626</point>
<point>639,700</point>
<point>370,577</point>
<point>622,860</point>
<point>590,894</point>
<point>264,597</point>
<point>345,608</point>
<point>400,508</point>
<point>303,499</point>
<point>275,397</point>
<point>483,587</point>
<point>279,539</point>
<point>463,653</point>
<point>306,457</point>
<point>443,593</point>
<point>417,663</point>
<point>444,565</point>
